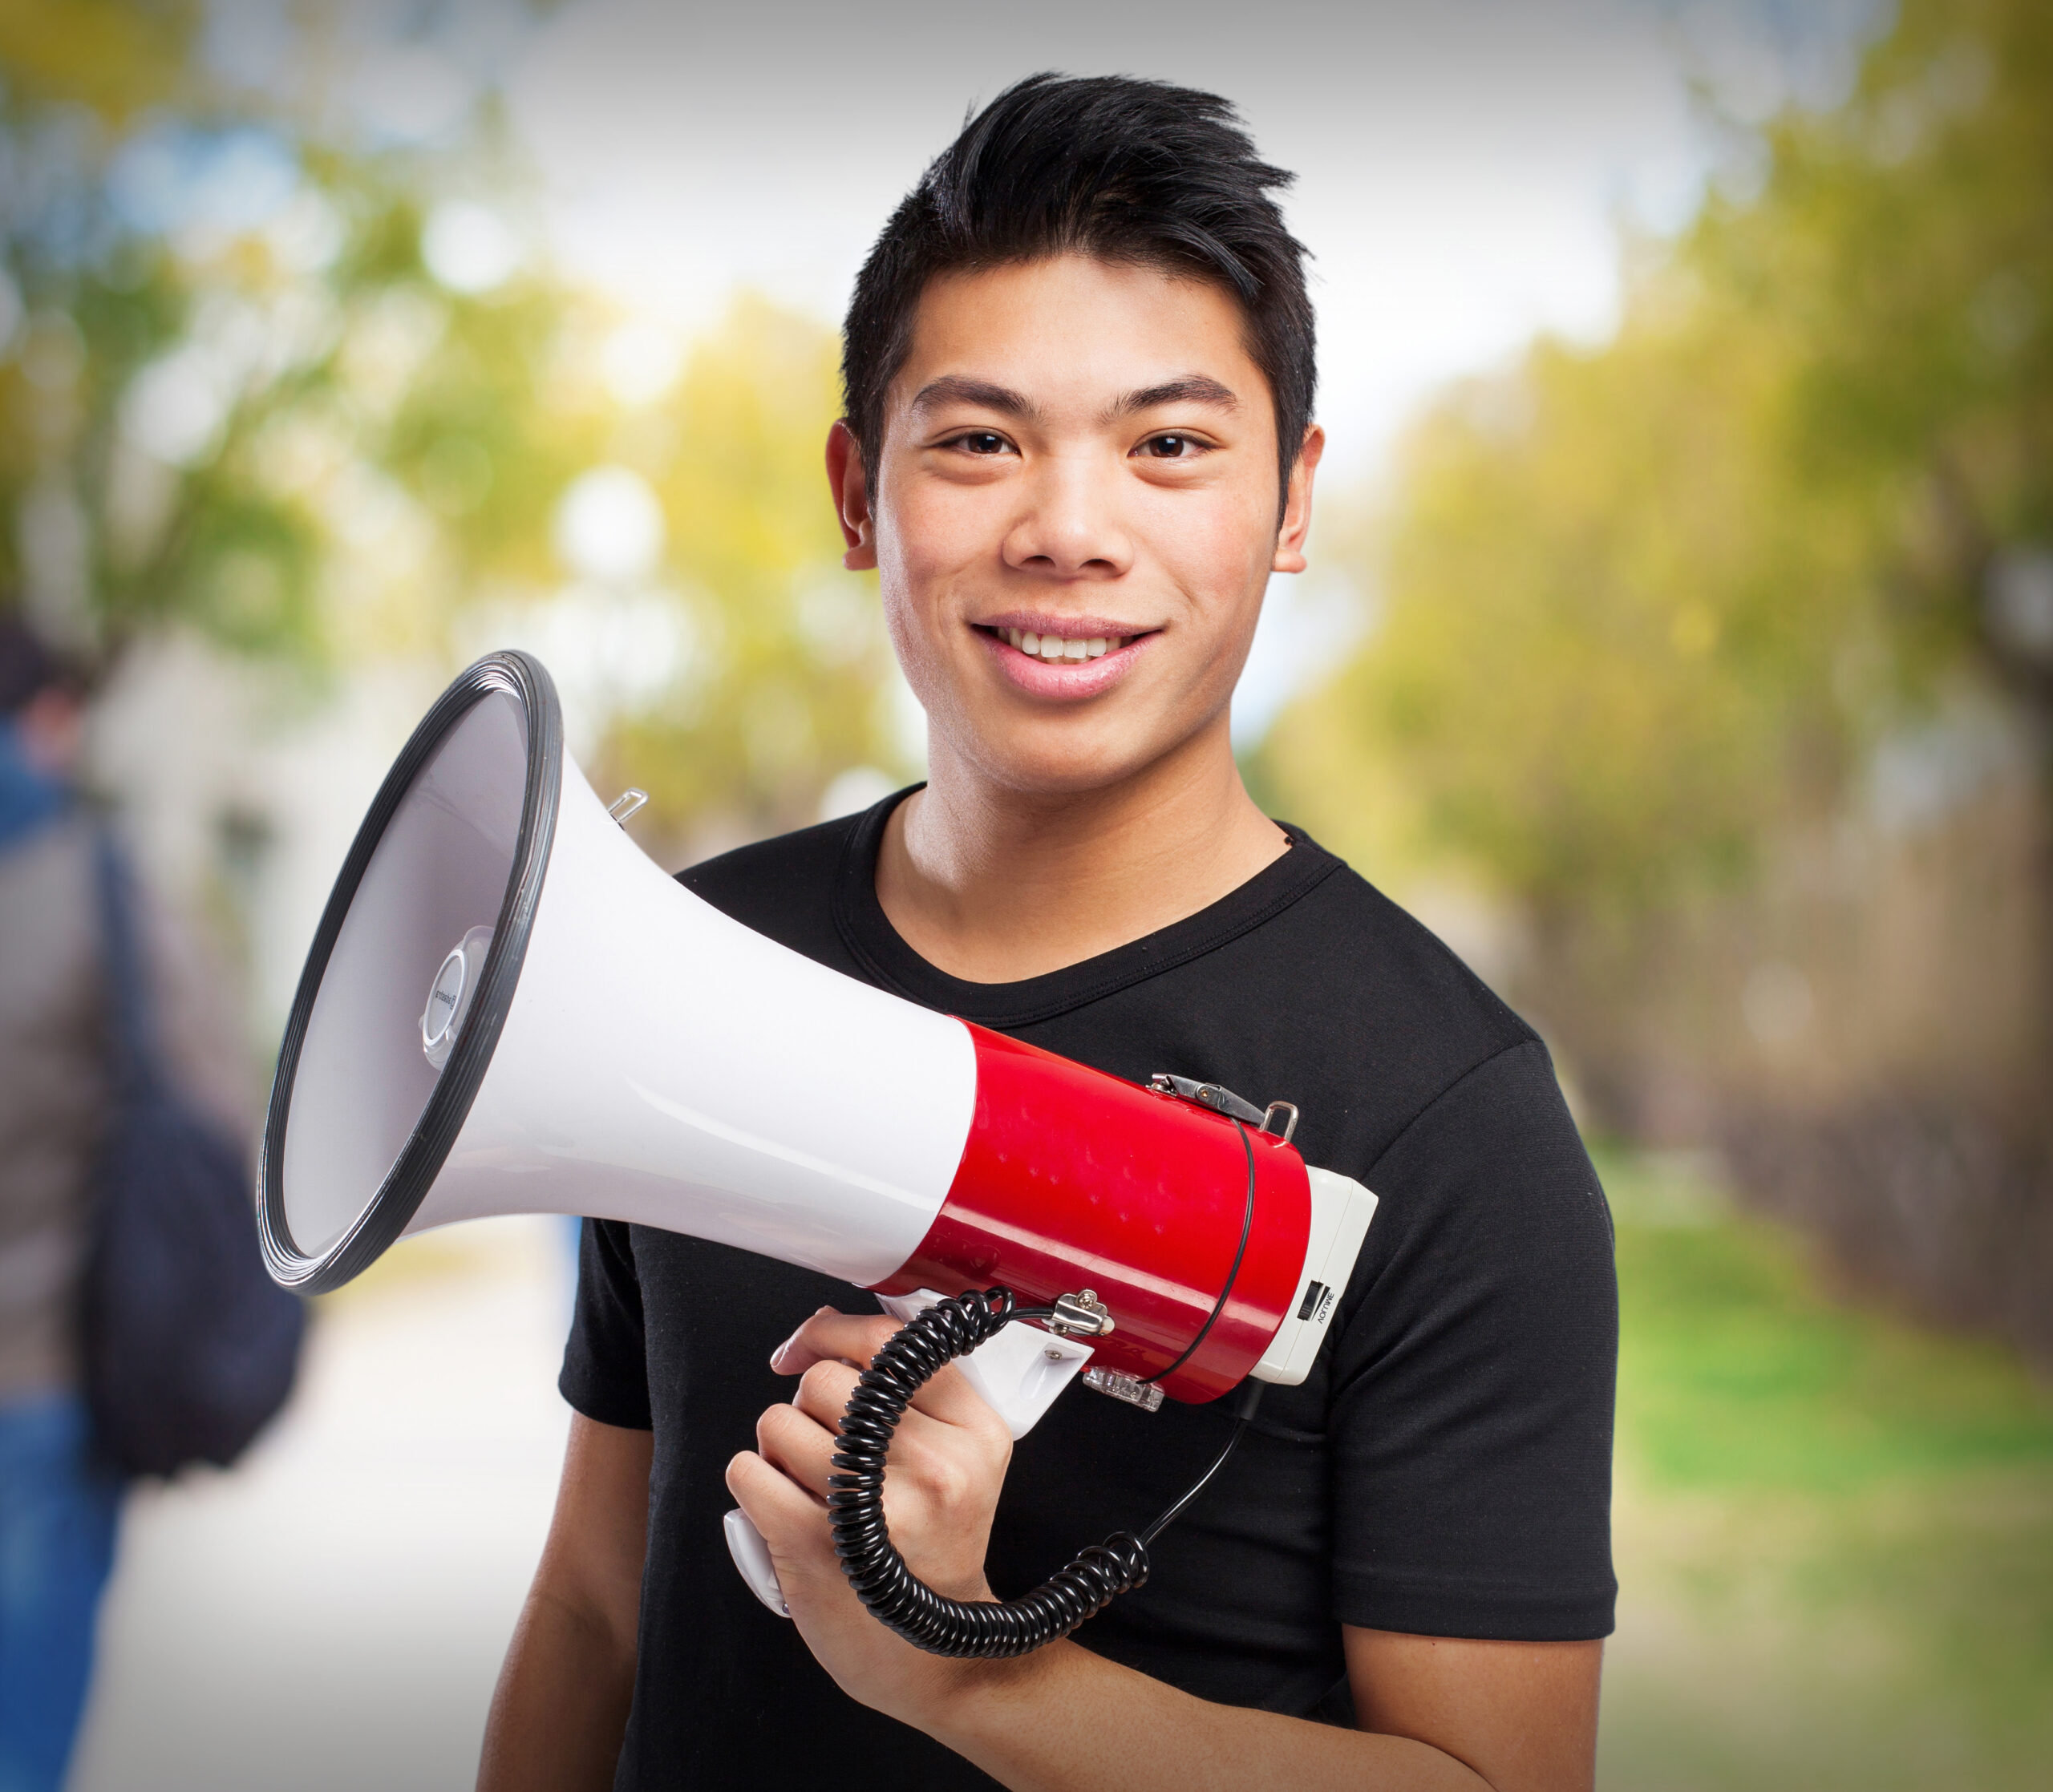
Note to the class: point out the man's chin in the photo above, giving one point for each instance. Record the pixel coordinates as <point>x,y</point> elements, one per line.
<point>1067,760</point>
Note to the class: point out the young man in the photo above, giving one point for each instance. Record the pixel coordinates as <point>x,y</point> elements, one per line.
<point>1078,369</point>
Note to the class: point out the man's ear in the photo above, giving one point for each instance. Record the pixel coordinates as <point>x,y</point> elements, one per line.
<point>1298,505</point>
<point>850,484</point>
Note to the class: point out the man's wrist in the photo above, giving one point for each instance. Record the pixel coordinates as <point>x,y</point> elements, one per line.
<point>984,1702</point>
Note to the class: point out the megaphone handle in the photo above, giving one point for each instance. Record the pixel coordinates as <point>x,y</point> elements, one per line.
<point>751,1556</point>
<point>889,1589</point>
<point>923,1618</point>
<point>1019,1389</point>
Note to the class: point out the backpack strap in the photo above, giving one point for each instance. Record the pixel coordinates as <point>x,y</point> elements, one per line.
<point>132,1037</point>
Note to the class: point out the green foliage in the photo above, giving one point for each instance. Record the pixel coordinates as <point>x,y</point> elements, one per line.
<point>1737,1371</point>
<point>1833,1531</point>
<point>792,648</point>
<point>1910,237</point>
<point>115,59</point>
<point>1581,662</point>
<point>163,362</point>
<point>1641,604</point>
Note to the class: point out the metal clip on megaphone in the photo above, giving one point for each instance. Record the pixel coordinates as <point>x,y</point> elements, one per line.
<point>508,1008</point>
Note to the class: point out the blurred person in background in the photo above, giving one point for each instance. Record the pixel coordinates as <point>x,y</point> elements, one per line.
<point>60,1498</point>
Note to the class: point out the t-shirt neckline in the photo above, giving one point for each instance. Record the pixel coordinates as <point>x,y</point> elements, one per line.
<point>882,952</point>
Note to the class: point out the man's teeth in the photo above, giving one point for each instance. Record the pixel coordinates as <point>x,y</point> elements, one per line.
<point>1055,647</point>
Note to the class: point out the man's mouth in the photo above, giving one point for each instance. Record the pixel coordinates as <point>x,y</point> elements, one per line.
<point>1075,644</point>
<point>1052,647</point>
<point>1063,659</point>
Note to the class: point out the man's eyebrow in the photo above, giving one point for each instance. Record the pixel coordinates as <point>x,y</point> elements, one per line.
<point>1192,389</point>
<point>954,389</point>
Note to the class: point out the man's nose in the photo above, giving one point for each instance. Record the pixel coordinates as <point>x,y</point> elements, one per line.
<point>1069,526</point>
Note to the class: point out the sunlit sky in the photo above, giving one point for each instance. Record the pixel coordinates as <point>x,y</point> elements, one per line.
<point>1465,167</point>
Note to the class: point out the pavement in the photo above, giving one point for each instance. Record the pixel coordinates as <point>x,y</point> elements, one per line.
<point>331,1613</point>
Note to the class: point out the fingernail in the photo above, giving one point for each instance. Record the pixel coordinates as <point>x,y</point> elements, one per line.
<point>777,1355</point>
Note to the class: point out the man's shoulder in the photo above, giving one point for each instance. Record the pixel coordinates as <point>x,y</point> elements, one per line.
<point>783,886</point>
<point>1348,1005</point>
<point>1348,944</point>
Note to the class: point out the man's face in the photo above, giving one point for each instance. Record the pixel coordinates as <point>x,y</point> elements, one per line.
<point>1073,512</point>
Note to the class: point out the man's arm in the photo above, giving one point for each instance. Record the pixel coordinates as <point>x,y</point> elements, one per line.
<point>1520,1714</point>
<point>1434,1712</point>
<point>561,1704</point>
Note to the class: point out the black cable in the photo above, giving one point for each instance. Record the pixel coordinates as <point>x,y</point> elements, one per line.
<point>1232,1275</point>
<point>1245,1402</point>
<point>889,1589</point>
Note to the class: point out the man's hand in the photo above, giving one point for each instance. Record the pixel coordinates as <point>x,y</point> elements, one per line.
<point>948,1460</point>
<point>1467,1717</point>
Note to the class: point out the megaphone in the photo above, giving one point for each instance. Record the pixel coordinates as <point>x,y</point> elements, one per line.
<point>508,1008</point>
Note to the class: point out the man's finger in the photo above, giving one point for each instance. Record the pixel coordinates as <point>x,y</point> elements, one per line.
<point>823,1392</point>
<point>798,1445</point>
<point>791,1522</point>
<point>829,1337</point>
<point>823,1396</point>
<point>776,1505</point>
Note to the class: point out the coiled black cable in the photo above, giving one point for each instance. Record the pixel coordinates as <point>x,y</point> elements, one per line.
<point>891,1591</point>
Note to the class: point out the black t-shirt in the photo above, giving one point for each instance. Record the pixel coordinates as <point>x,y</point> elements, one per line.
<point>1445,1469</point>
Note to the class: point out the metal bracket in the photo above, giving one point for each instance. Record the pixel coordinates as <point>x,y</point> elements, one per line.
<point>1289,1109</point>
<point>1082,1313</point>
<point>1220,1099</point>
<point>1224,1101</point>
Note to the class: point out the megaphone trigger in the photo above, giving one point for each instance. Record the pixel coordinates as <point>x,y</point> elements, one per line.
<point>752,1556</point>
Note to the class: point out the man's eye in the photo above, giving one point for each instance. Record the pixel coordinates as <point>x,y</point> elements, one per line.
<point>981,442</point>
<point>1168,447</point>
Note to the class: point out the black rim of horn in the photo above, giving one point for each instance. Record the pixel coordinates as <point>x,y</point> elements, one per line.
<point>524,679</point>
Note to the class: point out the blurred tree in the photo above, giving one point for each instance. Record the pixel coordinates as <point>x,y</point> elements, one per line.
<point>322,400</point>
<point>216,323</point>
<point>1654,615</point>
<point>743,669</point>
<point>1639,601</point>
<point>790,660</point>
<point>1586,673</point>
<point>1907,242</point>
<point>114,59</point>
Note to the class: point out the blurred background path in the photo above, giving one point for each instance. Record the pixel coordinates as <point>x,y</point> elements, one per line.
<point>1834,1529</point>
<point>330,1617</point>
